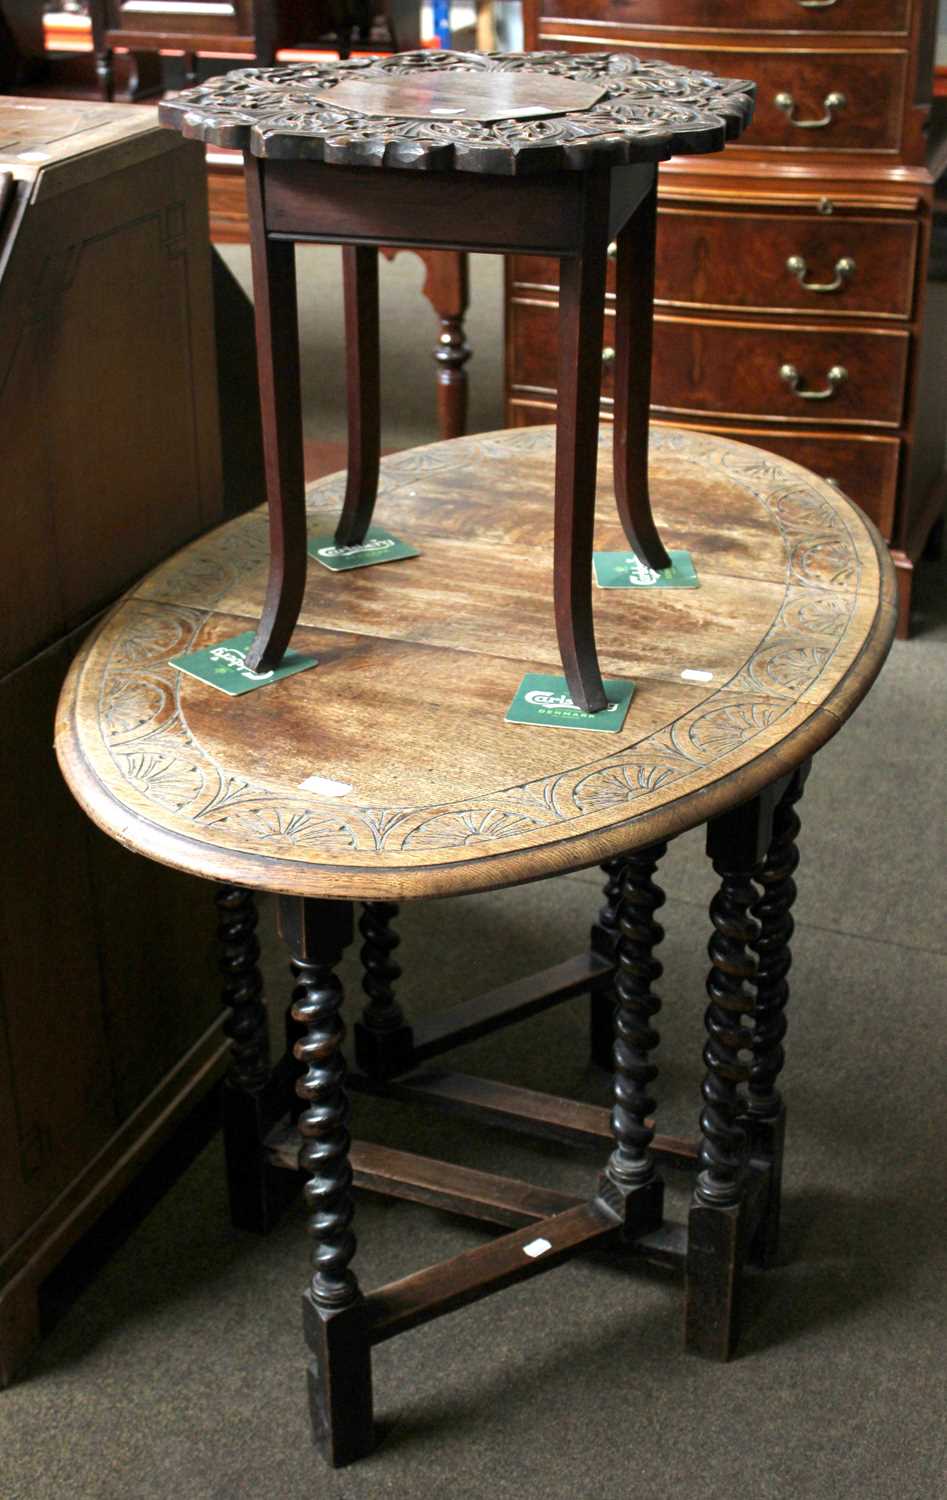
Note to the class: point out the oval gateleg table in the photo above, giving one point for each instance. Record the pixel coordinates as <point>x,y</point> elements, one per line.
<point>422,789</point>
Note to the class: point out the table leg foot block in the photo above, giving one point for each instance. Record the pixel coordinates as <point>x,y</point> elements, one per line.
<point>716,1244</point>
<point>340,1380</point>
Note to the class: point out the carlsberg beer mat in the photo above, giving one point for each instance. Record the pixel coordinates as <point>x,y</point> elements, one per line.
<point>544,700</point>
<point>379,546</point>
<point>224,665</point>
<point>623,570</point>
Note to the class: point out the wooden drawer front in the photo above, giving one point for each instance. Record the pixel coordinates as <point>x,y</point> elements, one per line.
<point>733,260</point>
<point>872,82</point>
<point>725,15</point>
<point>740,260</point>
<point>864,467</point>
<point>733,369</point>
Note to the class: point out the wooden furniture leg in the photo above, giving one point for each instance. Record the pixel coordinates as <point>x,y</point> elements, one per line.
<point>384,1043</point>
<point>718,1218</point>
<point>581,316</point>
<point>252,1099</point>
<point>317,933</point>
<point>277,341</point>
<point>634,329</point>
<point>765,1120</point>
<point>603,943</point>
<point>447,288</point>
<point>631,1184</point>
<point>362,373</point>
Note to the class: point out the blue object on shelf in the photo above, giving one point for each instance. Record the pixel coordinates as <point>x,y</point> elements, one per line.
<point>442,22</point>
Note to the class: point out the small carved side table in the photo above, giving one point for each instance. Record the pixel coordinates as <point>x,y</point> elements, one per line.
<point>332,787</point>
<point>519,152</point>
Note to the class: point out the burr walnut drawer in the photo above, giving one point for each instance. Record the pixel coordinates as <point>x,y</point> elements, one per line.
<point>871,83</point>
<point>865,466</point>
<point>771,262</point>
<point>740,369</point>
<point>763,15</point>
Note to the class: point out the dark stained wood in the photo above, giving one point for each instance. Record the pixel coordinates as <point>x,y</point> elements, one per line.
<point>437,94</point>
<point>340,1380</point>
<point>522,1109</point>
<point>111,459</point>
<point>581,300</point>
<point>477,1273</point>
<point>362,377</point>
<point>251,110</point>
<point>765,1120</point>
<point>766,15</point>
<point>317,933</point>
<point>277,343</point>
<point>634,295</point>
<point>480,1195</point>
<point>384,1043</point>
<point>512,1002</point>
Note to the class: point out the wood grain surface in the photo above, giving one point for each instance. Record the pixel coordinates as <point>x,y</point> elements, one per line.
<point>793,619</point>
<point>617,109</point>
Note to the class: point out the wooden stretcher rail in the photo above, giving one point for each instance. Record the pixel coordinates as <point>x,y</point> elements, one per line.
<point>513,1002</point>
<point>477,1273</point>
<point>520,1109</point>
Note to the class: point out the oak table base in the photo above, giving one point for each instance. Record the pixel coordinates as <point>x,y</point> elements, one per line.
<point>792,620</point>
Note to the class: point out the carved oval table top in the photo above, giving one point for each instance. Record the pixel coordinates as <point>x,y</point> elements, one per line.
<point>501,112</point>
<point>420,659</point>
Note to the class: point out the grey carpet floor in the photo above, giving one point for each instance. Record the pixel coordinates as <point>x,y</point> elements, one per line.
<point>179,1370</point>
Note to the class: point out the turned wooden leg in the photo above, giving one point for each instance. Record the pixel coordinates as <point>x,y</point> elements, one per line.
<point>383,1041</point>
<point>634,322</point>
<point>105,73</point>
<point>603,940</point>
<point>447,288</point>
<point>277,344</point>
<point>334,1320</point>
<point>254,1187</point>
<point>631,1183</point>
<point>717,1220</point>
<point>581,311</point>
<point>765,1120</point>
<point>362,373</point>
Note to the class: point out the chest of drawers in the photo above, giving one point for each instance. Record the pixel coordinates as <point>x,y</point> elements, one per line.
<point>791,308</point>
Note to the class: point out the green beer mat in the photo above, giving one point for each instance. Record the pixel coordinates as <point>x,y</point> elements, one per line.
<point>379,546</point>
<point>623,570</point>
<point>224,665</point>
<point>543,699</point>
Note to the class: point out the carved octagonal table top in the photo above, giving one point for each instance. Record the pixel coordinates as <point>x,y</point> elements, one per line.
<point>469,111</point>
<point>792,620</point>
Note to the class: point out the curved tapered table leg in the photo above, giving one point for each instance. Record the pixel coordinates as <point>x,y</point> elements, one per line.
<point>631,1184</point>
<point>362,374</point>
<point>765,1119</point>
<point>334,1320</point>
<point>634,325</point>
<point>581,317</point>
<point>277,343</point>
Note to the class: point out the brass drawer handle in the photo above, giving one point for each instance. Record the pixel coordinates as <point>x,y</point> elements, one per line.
<point>793,379</point>
<point>832,102</point>
<point>613,250</point>
<point>844,268</point>
<point>816,4</point>
<point>608,355</point>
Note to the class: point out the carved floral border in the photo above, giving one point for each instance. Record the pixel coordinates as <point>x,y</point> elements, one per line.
<point>154,752</point>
